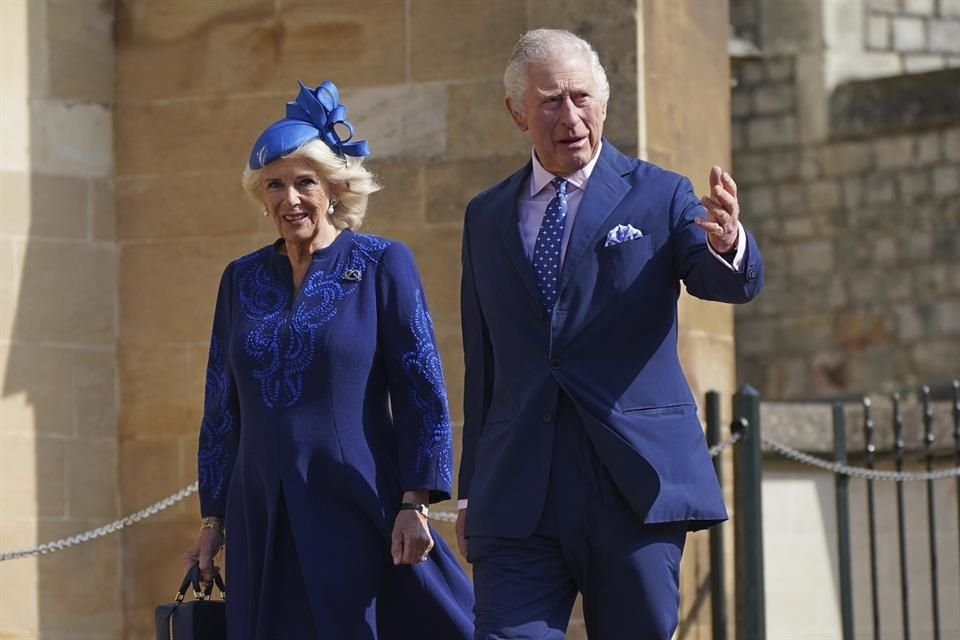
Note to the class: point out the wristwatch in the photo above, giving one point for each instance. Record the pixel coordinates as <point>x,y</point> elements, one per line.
<point>422,509</point>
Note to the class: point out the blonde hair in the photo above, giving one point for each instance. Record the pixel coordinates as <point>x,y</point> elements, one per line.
<point>543,44</point>
<point>349,179</point>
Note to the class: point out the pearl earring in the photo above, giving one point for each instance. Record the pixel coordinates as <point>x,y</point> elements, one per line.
<point>265,212</point>
<point>330,209</point>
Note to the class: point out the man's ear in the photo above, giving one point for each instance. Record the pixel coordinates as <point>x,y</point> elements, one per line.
<point>519,118</point>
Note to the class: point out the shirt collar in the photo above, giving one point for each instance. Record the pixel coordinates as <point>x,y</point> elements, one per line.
<point>540,177</point>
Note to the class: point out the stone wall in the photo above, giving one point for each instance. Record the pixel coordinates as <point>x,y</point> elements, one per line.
<point>924,34</point>
<point>848,160</point>
<point>58,270</point>
<point>125,127</point>
<point>195,85</point>
<point>857,224</point>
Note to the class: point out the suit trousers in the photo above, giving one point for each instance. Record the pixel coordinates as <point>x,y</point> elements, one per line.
<point>589,541</point>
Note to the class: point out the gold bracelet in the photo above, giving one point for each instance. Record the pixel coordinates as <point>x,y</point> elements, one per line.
<point>211,522</point>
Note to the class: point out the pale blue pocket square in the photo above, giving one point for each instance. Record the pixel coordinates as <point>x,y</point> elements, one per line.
<point>621,233</point>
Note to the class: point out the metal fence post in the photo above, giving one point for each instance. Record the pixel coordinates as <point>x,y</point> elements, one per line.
<point>748,518</point>
<point>928,441</point>
<point>870,450</point>
<point>956,440</point>
<point>842,488</point>
<point>898,448</point>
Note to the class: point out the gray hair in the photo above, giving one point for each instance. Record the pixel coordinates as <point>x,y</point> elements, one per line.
<point>352,181</point>
<point>543,44</point>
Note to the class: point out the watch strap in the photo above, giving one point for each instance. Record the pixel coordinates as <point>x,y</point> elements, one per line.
<point>420,508</point>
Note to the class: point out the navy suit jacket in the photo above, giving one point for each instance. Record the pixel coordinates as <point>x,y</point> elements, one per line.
<point>611,347</point>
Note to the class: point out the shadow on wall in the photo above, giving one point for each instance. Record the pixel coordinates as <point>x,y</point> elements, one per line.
<point>59,377</point>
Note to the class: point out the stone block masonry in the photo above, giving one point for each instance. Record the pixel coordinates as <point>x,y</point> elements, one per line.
<point>125,128</point>
<point>59,450</point>
<point>854,231</point>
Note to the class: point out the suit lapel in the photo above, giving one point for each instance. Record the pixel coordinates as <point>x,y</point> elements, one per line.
<point>508,222</point>
<point>604,192</point>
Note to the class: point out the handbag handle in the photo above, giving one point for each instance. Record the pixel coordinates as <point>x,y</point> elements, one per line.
<point>193,578</point>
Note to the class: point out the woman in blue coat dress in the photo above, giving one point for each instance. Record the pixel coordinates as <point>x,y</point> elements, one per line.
<point>325,434</point>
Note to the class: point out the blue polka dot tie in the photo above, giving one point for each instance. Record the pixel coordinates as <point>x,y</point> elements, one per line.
<point>546,252</point>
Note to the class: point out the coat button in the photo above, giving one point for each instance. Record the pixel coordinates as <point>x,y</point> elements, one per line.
<point>751,275</point>
<point>547,416</point>
<point>554,364</point>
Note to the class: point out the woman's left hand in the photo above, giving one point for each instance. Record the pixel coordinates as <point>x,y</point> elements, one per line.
<point>411,539</point>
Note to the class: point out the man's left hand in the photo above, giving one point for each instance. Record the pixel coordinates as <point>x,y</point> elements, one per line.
<point>723,212</point>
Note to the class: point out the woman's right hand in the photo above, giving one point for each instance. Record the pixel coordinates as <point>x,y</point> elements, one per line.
<point>208,545</point>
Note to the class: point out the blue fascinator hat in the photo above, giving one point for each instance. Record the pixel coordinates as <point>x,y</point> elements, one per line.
<point>314,113</point>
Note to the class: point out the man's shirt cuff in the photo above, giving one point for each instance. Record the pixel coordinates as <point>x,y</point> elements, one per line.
<point>734,265</point>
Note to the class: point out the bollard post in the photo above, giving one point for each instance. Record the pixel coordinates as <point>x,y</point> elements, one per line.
<point>748,517</point>
<point>718,597</point>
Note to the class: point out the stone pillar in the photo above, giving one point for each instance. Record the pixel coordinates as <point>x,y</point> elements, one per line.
<point>58,439</point>
<point>684,108</point>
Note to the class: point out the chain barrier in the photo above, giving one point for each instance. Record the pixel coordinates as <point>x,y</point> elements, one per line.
<point>856,472</point>
<point>450,517</point>
<point>733,438</point>
<point>93,534</point>
<point>117,525</point>
<point>113,527</point>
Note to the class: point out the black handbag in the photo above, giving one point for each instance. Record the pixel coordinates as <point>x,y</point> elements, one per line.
<point>202,618</point>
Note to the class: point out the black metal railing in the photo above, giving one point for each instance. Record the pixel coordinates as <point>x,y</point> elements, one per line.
<point>749,598</point>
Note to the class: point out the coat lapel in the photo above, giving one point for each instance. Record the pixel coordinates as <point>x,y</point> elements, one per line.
<point>604,192</point>
<point>508,222</point>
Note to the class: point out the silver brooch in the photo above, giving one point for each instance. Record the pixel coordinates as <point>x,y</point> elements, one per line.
<point>353,275</point>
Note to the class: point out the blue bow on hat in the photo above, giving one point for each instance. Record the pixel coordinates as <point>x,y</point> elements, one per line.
<point>313,114</point>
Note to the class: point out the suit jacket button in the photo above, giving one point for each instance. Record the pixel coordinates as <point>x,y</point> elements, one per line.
<point>751,275</point>
<point>547,417</point>
<point>554,364</point>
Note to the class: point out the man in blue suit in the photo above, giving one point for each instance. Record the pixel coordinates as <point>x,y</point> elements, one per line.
<point>584,464</point>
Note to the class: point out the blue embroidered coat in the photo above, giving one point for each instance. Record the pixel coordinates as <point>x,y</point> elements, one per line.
<point>322,407</point>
